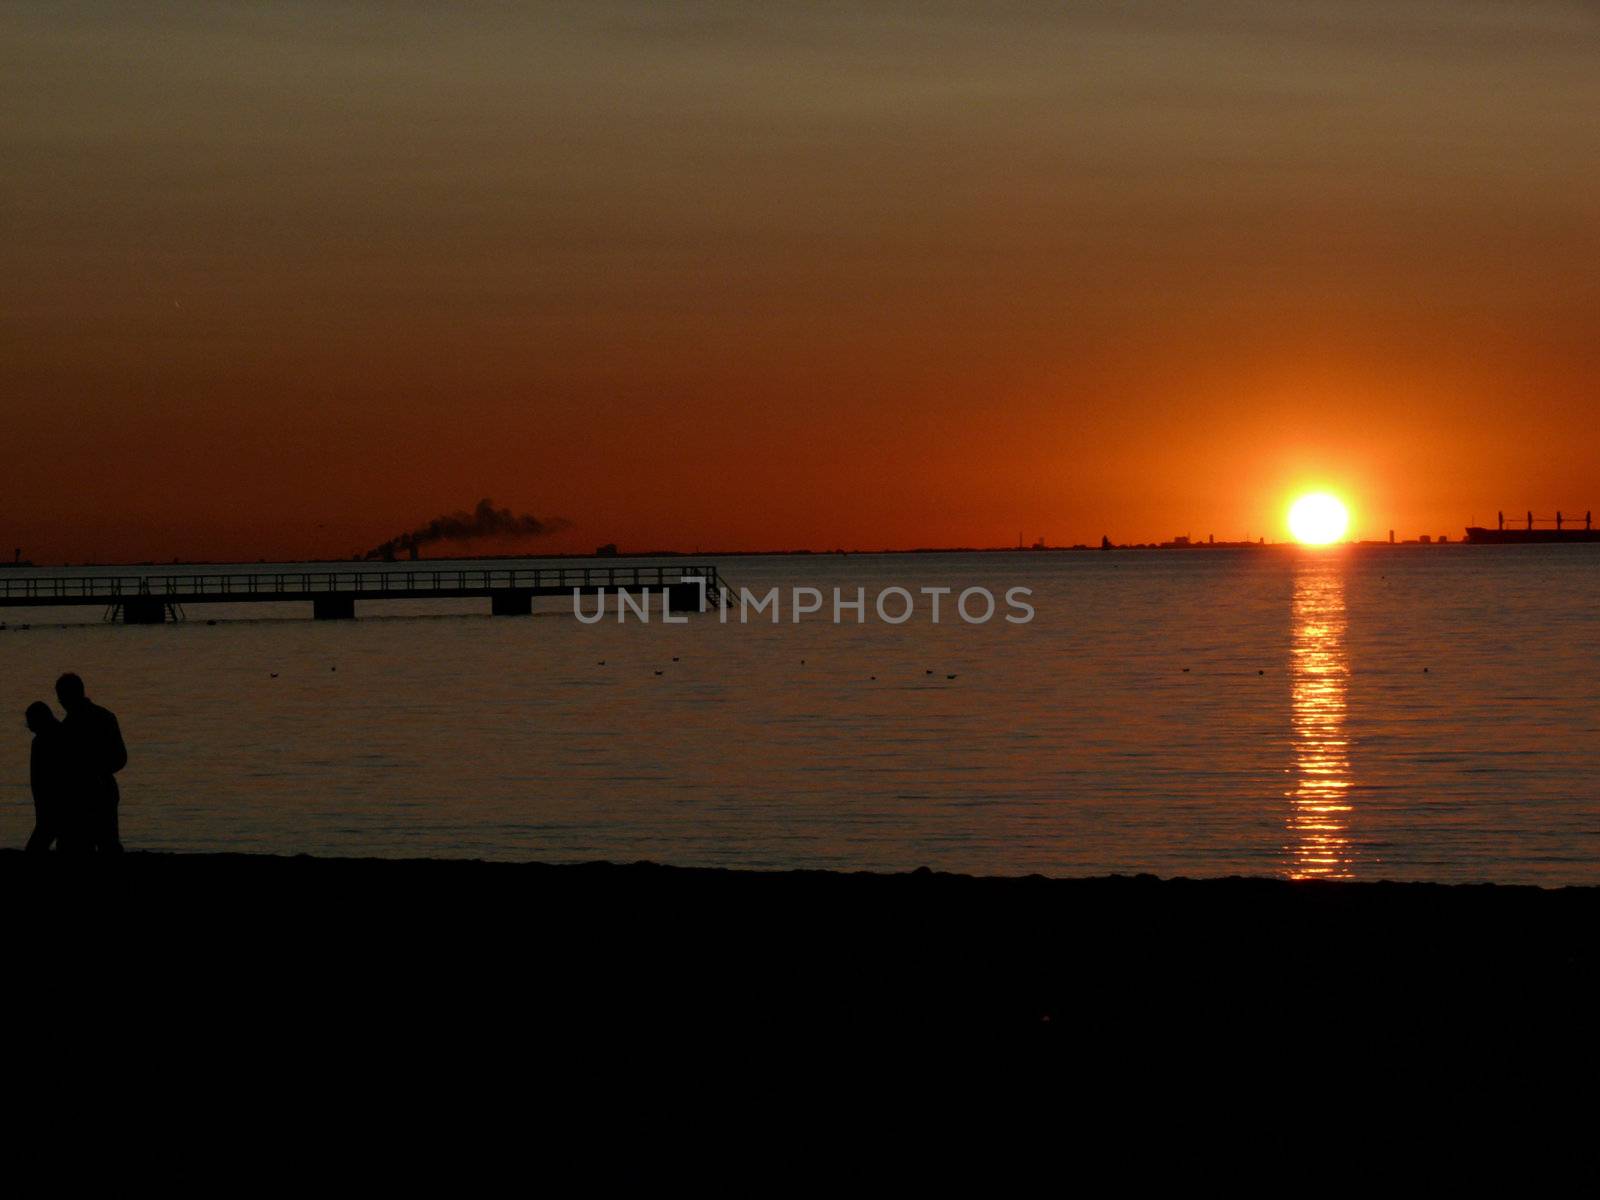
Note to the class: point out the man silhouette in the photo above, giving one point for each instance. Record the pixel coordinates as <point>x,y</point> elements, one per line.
<point>94,740</point>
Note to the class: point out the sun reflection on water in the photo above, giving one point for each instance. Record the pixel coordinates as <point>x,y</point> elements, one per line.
<point>1319,803</point>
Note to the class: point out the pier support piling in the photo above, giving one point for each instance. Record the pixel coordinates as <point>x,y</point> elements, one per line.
<point>511,603</point>
<point>334,608</point>
<point>686,597</point>
<point>143,610</point>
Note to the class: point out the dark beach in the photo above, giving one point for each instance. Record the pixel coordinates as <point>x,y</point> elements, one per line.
<point>257,947</point>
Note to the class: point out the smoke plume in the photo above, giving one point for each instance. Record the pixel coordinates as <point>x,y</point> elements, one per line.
<point>485,521</point>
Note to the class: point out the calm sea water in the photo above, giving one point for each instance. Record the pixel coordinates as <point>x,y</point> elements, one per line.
<point>1405,713</point>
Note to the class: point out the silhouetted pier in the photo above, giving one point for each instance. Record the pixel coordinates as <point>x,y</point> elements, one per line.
<point>152,599</point>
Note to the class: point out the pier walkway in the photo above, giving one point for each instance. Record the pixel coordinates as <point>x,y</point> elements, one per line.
<point>152,599</point>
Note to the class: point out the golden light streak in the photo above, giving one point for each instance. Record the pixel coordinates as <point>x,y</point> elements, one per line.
<point>1319,802</point>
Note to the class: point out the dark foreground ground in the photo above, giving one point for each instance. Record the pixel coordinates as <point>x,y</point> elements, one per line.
<point>228,1017</point>
<point>242,949</point>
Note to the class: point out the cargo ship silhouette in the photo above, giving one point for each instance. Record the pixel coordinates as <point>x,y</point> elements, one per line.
<point>1561,529</point>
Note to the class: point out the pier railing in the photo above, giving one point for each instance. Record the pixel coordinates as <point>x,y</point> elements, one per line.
<point>435,582</point>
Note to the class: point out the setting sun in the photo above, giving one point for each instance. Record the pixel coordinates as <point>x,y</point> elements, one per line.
<point>1318,519</point>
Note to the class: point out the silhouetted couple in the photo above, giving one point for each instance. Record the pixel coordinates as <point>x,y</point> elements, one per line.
<point>73,769</point>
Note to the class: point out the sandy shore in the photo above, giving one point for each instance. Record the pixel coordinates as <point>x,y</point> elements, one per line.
<point>527,948</point>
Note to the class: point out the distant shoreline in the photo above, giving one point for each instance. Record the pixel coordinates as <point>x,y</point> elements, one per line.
<point>422,563</point>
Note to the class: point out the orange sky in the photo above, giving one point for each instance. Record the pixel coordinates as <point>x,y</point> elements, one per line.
<point>292,280</point>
